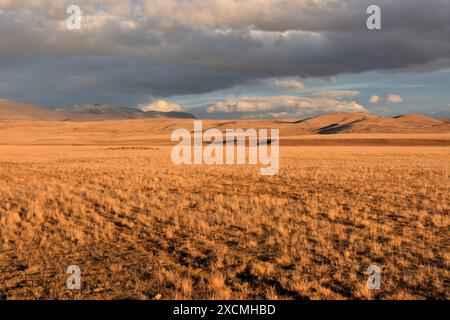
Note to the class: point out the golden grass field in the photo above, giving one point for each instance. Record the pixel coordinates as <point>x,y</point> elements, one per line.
<point>140,227</point>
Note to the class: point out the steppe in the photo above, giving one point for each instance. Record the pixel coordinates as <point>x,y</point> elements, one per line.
<point>105,196</point>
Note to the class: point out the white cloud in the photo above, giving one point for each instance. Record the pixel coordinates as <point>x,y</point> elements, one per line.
<point>275,115</point>
<point>375,99</point>
<point>278,114</point>
<point>283,106</point>
<point>289,84</point>
<point>385,111</point>
<point>391,98</point>
<point>394,98</point>
<point>336,93</point>
<point>161,106</point>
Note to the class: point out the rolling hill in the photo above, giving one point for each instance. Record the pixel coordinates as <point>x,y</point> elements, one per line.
<point>327,124</point>
<point>365,123</point>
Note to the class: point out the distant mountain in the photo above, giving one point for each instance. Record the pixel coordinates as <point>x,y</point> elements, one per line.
<point>101,110</point>
<point>10,110</point>
<point>356,122</point>
<point>108,112</point>
<point>170,114</point>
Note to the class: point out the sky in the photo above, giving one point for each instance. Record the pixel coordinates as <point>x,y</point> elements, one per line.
<point>229,58</point>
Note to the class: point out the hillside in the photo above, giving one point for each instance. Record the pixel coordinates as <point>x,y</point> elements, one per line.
<point>327,124</point>
<point>10,110</point>
<point>366,123</point>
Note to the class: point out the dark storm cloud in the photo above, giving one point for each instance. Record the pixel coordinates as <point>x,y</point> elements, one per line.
<point>60,81</point>
<point>132,50</point>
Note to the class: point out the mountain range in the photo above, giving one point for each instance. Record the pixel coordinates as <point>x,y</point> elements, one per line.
<point>10,110</point>
<point>353,122</point>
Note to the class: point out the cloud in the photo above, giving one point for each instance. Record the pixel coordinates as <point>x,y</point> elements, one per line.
<point>384,111</point>
<point>394,99</point>
<point>161,106</point>
<point>391,98</point>
<point>200,46</point>
<point>442,111</point>
<point>59,81</point>
<point>289,84</point>
<point>275,106</point>
<point>336,93</point>
<point>375,99</point>
<point>329,79</point>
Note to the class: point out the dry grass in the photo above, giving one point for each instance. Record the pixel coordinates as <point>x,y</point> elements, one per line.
<point>140,227</point>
